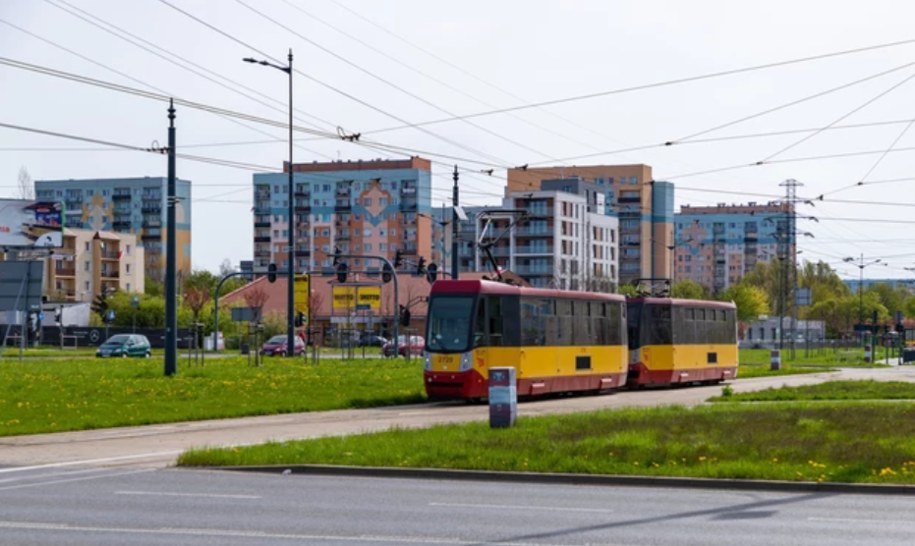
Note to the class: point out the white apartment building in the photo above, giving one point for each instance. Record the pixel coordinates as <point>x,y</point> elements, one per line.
<point>558,242</point>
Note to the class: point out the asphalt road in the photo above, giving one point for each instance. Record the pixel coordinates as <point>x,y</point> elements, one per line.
<point>157,446</point>
<point>139,507</point>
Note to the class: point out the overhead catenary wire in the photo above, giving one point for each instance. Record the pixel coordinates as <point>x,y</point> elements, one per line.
<point>320,82</point>
<point>663,83</point>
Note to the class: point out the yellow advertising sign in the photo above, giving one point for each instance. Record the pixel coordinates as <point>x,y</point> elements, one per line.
<point>344,298</point>
<point>349,299</point>
<point>368,298</point>
<point>300,288</point>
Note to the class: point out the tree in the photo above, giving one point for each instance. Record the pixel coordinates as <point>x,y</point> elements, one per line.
<point>751,301</point>
<point>255,299</point>
<point>689,289</point>
<point>25,185</point>
<point>196,297</point>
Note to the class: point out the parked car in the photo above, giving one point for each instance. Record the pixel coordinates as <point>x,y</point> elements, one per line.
<point>414,345</point>
<point>373,341</point>
<point>276,346</point>
<point>124,345</point>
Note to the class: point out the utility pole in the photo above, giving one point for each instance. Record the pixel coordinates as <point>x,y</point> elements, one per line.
<point>790,273</point>
<point>171,290</point>
<point>454,227</point>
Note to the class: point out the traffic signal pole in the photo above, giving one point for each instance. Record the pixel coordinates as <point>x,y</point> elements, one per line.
<point>386,266</point>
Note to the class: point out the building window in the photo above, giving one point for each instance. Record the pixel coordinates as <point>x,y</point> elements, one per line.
<point>127,268</point>
<point>85,266</point>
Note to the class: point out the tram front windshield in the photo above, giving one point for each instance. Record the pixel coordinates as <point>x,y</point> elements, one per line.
<point>450,319</point>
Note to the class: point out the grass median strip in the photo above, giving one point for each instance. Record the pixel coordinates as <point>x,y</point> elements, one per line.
<point>842,441</point>
<point>39,396</point>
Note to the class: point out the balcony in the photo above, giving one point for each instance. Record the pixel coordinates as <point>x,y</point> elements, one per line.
<point>65,271</point>
<point>118,225</point>
<point>119,195</point>
<point>262,254</point>
<point>151,234</point>
<point>151,208</point>
<point>261,224</point>
<point>262,239</point>
<point>302,207</point>
<point>343,205</point>
<point>110,255</point>
<point>534,249</point>
<point>408,204</point>
<point>109,274</point>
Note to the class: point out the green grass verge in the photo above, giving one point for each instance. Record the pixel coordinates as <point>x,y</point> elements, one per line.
<point>845,442</point>
<point>53,390</point>
<point>54,395</point>
<point>831,390</point>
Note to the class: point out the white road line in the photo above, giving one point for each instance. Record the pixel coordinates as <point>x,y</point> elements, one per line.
<point>861,520</point>
<point>205,495</point>
<point>92,461</point>
<point>51,474</point>
<point>69,480</point>
<point>520,507</point>
<point>348,539</point>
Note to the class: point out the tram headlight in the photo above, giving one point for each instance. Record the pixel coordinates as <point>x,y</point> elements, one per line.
<point>466,362</point>
<point>427,362</point>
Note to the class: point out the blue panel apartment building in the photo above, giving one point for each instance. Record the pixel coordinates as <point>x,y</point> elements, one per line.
<point>127,205</point>
<point>361,207</point>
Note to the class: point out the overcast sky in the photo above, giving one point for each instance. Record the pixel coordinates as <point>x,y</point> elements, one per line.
<point>617,76</point>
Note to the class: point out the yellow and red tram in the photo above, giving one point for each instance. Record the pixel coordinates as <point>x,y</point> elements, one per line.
<point>681,341</point>
<point>558,341</point>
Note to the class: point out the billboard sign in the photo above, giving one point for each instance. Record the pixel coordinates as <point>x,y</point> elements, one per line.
<point>302,294</point>
<point>356,298</point>
<point>30,224</point>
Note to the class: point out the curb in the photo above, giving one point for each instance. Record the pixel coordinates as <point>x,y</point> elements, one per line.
<point>578,479</point>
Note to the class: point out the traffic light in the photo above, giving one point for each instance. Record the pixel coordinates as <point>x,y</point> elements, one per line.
<point>33,322</point>
<point>271,273</point>
<point>398,260</point>
<point>421,266</point>
<point>404,316</point>
<point>337,253</point>
<point>300,319</point>
<point>386,273</point>
<point>431,273</point>
<point>342,271</point>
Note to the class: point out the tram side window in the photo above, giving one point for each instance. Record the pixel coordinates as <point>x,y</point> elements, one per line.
<point>535,313</point>
<point>494,320</point>
<point>479,325</point>
<point>660,326</point>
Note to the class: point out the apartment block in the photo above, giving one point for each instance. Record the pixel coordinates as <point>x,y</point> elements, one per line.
<point>717,245</point>
<point>92,263</point>
<point>643,206</point>
<point>361,207</point>
<point>127,205</point>
<point>559,242</point>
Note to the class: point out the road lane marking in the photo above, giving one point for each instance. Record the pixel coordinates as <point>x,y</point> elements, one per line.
<point>92,461</point>
<point>861,520</point>
<point>520,507</point>
<point>69,480</point>
<point>170,494</point>
<point>231,533</point>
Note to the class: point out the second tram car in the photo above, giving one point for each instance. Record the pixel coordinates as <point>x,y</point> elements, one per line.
<point>558,341</point>
<point>681,341</point>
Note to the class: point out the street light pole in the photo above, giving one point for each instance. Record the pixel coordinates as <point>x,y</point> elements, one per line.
<point>861,267</point>
<point>290,279</point>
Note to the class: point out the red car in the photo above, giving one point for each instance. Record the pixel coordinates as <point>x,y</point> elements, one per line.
<point>414,345</point>
<point>276,346</point>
